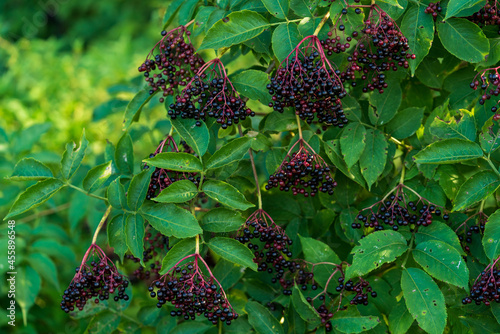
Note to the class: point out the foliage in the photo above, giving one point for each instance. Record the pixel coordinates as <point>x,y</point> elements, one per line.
<point>319,166</point>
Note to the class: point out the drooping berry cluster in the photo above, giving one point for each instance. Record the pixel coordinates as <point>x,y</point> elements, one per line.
<point>96,281</point>
<point>307,81</point>
<point>322,300</point>
<point>489,83</point>
<point>171,63</point>
<point>268,242</point>
<point>162,178</point>
<point>210,94</point>
<point>155,248</point>
<point>433,8</point>
<point>303,172</point>
<point>488,15</point>
<point>397,210</point>
<point>486,288</point>
<point>381,47</point>
<point>474,224</point>
<point>192,293</point>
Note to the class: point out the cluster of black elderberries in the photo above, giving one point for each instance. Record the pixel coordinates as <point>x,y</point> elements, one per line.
<point>433,8</point>
<point>489,15</point>
<point>210,94</point>
<point>192,293</point>
<point>486,288</point>
<point>303,172</point>
<point>489,83</point>
<point>96,281</point>
<point>171,63</point>
<point>155,248</point>
<point>397,210</point>
<point>380,47</point>
<point>307,81</point>
<point>474,224</point>
<point>163,178</point>
<point>268,242</point>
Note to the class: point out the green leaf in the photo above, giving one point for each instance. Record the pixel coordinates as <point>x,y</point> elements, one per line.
<point>171,13</point>
<point>171,220</point>
<point>116,195</point>
<point>197,137</point>
<point>405,123</point>
<point>45,267</point>
<point>332,149</point>
<point>317,251</point>
<point>124,154</point>
<point>227,273</point>
<point>400,319</point>
<point>29,169</point>
<point>177,161</point>
<point>494,54</point>
<point>186,11</point>
<point>180,250</point>
<point>374,250</point>
<point>386,104</point>
<point>443,262</point>
<point>489,138</point>
<point>178,192</point>
<point>233,251</point>
<point>134,232</point>
<point>465,129</point>
<point>221,220</point>
<point>28,284</point>
<point>72,158</point>
<point>285,38</point>
<point>464,39</point>
<point>392,3</point>
<point>350,321</point>
<point>277,8</point>
<point>418,27</point>
<point>303,7</point>
<point>117,236</point>
<point>103,323</point>
<point>424,300</point>
<point>374,156</point>
<point>449,151</point>
<point>24,140</point>
<point>303,308</point>
<point>252,84</point>
<point>134,108</point>
<point>262,320</point>
<point>280,122</point>
<point>226,194</point>
<point>440,232</point>
<point>233,151</point>
<point>353,142</point>
<point>35,195</point>
<point>96,177</point>
<point>138,189</point>
<point>491,238</point>
<point>240,27</point>
<point>475,189</point>
<point>455,6</point>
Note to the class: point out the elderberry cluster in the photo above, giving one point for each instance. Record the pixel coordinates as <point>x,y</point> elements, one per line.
<point>172,62</point>
<point>381,47</point>
<point>210,94</point>
<point>192,294</point>
<point>155,247</point>
<point>397,211</point>
<point>489,83</point>
<point>163,178</point>
<point>488,15</point>
<point>486,288</point>
<point>268,242</point>
<point>306,81</point>
<point>96,282</point>
<point>303,173</point>
<point>477,227</point>
<point>433,8</point>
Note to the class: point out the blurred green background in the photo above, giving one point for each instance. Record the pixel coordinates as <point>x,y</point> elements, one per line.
<point>65,65</point>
